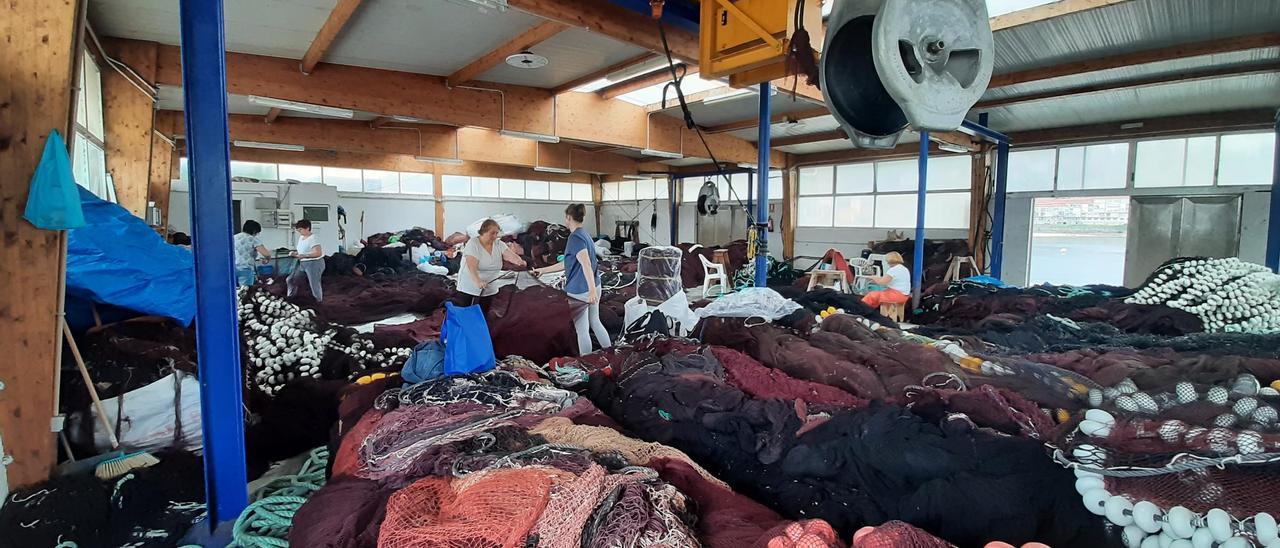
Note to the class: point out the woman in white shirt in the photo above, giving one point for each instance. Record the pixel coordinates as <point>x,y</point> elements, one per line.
<point>897,281</point>
<point>310,261</point>
<point>482,265</point>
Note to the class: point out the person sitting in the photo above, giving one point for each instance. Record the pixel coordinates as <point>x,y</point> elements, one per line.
<point>482,265</point>
<point>248,249</point>
<point>897,282</point>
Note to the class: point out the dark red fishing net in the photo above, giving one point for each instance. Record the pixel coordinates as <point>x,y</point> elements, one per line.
<point>351,300</point>
<point>346,513</point>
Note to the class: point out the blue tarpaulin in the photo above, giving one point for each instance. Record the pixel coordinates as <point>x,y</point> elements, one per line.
<point>117,260</point>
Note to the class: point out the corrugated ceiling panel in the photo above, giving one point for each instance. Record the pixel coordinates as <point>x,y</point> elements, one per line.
<point>280,28</point>
<point>571,54</point>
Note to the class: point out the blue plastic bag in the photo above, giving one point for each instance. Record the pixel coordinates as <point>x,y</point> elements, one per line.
<point>54,200</point>
<point>467,346</point>
<point>426,362</point>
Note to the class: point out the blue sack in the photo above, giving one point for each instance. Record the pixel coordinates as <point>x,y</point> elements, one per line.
<point>426,362</point>
<point>54,200</point>
<point>468,347</point>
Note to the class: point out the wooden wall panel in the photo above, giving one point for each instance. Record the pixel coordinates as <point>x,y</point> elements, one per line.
<point>160,176</point>
<point>554,155</point>
<point>127,118</point>
<point>484,145</point>
<point>35,98</point>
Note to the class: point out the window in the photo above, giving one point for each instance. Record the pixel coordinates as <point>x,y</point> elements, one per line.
<point>627,191</point>
<point>1079,241</point>
<point>691,189</point>
<point>561,192</point>
<point>775,184</point>
<point>582,193</point>
<point>381,181</point>
<point>1174,162</point>
<point>660,190</point>
<point>898,176</point>
<point>947,210</point>
<point>645,190</point>
<point>484,187</point>
<point>949,173</point>
<point>814,211</point>
<point>88,156</point>
<point>511,188</point>
<point>1093,167</point>
<point>896,210</point>
<point>1032,170</point>
<point>609,192</point>
<point>537,190</point>
<point>304,174</point>
<point>1246,159</point>
<point>347,180</point>
<point>455,185</point>
<point>417,183</point>
<point>815,180</point>
<point>855,211</point>
<point>855,179</point>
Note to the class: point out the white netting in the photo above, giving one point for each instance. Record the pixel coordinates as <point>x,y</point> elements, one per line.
<point>1227,294</point>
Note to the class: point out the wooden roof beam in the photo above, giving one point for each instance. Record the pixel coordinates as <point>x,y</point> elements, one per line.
<point>1047,11</point>
<point>619,23</point>
<point>1210,47</point>
<point>338,18</point>
<point>833,135</point>
<point>272,115</point>
<point>776,119</point>
<point>1179,77</point>
<point>654,77</point>
<point>537,34</point>
<point>596,75</point>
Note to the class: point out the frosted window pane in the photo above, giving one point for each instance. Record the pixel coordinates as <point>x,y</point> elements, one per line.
<point>1201,152</point>
<point>511,188</point>
<point>775,187</point>
<point>561,192</point>
<point>1106,166</point>
<point>1159,163</point>
<point>1071,168</point>
<point>627,190</point>
<point>896,210</point>
<point>950,173</point>
<point>816,180</point>
<point>898,176</point>
<point>93,100</point>
<point>455,185</point>
<point>1032,170</point>
<point>740,183</point>
<point>347,180</point>
<point>484,187</point>
<point>264,172</point>
<point>582,193</point>
<point>947,210</point>
<point>814,211</point>
<point>82,111</point>
<point>660,189</point>
<point>537,190</point>
<point>417,183</point>
<point>609,192</point>
<point>856,179</point>
<point>305,174</point>
<point>644,190</point>
<point>381,181</point>
<point>1246,159</point>
<point>858,211</point>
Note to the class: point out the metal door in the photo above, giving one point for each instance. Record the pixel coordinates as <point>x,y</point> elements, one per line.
<point>1164,227</point>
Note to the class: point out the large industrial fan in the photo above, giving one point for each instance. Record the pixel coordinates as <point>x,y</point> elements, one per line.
<point>890,64</point>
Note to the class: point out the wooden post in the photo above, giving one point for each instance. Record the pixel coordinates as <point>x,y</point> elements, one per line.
<point>127,113</point>
<point>597,198</point>
<point>978,190</point>
<point>437,176</point>
<point>788,220</point>
<point>36,65</point>
<point>163,159</point>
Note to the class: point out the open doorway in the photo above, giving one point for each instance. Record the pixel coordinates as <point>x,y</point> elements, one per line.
<point>1079,241</point>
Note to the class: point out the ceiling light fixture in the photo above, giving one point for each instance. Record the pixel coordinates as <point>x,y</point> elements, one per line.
<point>636,177</point>
<point>399,118</point>
<point>438,160</point>
<point>539,137</point>
<point>952,147</point>
<point>545,169</point>
<point>661,153</point>
<point>269,146</point>
<point>484,5</point>
<point>302,107</point>
<point>527,60</point>
<point>1133,125</point>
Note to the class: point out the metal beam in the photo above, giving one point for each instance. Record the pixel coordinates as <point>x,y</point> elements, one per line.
<point>537,34</point>
<point>762,200</point>
<point>917,262</point>
<point>338,18</point>
<point>1211,73</point>
<point>217,327</point>
<point>998,213</point>
<point>598,74</point>
<point>654,77</point>
<point>1046,12</point>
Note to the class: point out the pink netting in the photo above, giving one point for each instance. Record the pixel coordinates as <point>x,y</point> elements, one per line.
<point>814,533</point>
<point>497,509</point>
<point>347,460</point>
<point>601,440</point>
<point>896,534</point>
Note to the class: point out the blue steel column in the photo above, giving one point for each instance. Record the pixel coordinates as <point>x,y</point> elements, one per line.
<point>762,173</point>
<point>204,83</point>
<point>917,262</point>
<point>674,209</point>
<point>1273,225</point>
<point>997,216</point>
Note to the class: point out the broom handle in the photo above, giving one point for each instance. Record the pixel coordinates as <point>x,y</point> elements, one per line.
<point>93,391</point>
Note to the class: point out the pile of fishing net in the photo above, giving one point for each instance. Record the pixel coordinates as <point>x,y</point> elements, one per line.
<point>1227,294</point>
<point>541,243</point>
<point>354,300</point>
<point>282,342</point>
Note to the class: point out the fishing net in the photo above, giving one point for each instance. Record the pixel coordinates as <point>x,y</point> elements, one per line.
<point>1227,294</point>
<point>896,534</point>
<point>601,439</point>
<point>658,274</point>
<point>497,509</point>
<point>802,534</point>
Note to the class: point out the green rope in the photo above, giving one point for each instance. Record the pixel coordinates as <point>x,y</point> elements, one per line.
<point>266,522</point>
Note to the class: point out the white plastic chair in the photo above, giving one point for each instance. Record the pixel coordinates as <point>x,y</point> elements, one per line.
<point>714,273</point>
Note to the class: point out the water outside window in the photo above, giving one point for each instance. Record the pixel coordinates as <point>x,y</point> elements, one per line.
<point>1079,241</point>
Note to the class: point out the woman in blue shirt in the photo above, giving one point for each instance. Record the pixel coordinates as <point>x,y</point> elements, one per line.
<point>581,280</point>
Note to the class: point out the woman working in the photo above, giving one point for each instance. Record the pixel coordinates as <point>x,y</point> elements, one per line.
<point>482,265</point>
<point>897,281</point>
<point>249,250</point>
<point>310,261</point>
<point>582,280</point>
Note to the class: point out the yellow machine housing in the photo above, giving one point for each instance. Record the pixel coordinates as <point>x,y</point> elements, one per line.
<point>747,40</point>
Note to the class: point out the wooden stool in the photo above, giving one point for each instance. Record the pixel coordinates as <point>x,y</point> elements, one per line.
<point>953,271</point>
<point>893,311</point>
<point>829,278</point>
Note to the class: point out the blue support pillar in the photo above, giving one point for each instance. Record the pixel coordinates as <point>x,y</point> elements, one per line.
<point>762,173</point>
<point>674,210</point>
<point>1273,224</point>
<point>917,262</point>
<point>997,216</point>
<point>204,83</point>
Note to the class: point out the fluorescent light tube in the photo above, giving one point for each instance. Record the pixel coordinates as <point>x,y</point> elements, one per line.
<point>404,118</point>
<point>1133,125</point>
<point>951,147</point>
<point>545,169</point>
<point>484,5</point>
<point>726,97</point>
<point>435,160</point>
<point>637,177</point>
<point>661,153</point>
<point>269,146</point>
<point>302,107</point>
<point>539,137</point>
<point>745,165</point>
